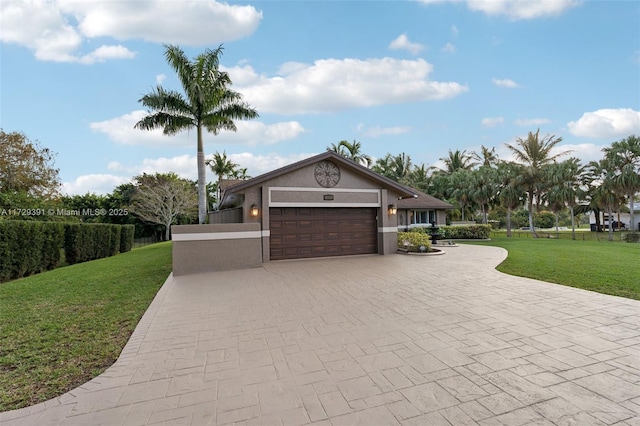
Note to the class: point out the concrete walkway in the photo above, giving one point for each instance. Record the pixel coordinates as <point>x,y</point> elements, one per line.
<point>374,340</point>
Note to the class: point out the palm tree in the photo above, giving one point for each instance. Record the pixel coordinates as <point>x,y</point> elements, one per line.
<point>222,166</point>
<point>566,178</point>
<point>460,189</point>
<point>207,103</point>
<point>396,168</point>
<point>602,176</point>
<point>487,157</point>
<point>624,155</point>
<point>534,153</point>
<point>511,192</point>
<point>352,151</point>
<point>458,160</point>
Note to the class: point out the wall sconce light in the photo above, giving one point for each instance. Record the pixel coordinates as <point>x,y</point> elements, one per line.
<point>254,211</point>
<point>392,209</point>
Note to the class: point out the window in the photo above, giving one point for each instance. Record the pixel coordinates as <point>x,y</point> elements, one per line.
<point>422,217</point>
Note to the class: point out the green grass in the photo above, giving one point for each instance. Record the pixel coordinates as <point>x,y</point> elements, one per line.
<point>602,266</point>
<point>61,328</point>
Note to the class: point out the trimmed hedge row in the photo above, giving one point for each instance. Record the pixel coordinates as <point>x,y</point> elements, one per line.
<point>415,240</point>
<point>472,232</point>
<point>29,247</point>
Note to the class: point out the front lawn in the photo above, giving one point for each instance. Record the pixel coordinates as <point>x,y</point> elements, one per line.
<point>61,328</point>
<point>602,266</point>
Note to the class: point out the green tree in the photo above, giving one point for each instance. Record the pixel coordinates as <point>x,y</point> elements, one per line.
<point>511,193</point>
<point>566,178</point>
<point>352,151</point>
<point>208,103</point>
<point>624,156</point>
<point>27,172</point>
<point>163,197</point>
<point>484,188</point>
<point>534,152</point>
<point>458,160</point>
<point>396,167</point>
<point>486,157</point>
<point>461,189</point>
<point>602,179</point>
<point>222,167</point>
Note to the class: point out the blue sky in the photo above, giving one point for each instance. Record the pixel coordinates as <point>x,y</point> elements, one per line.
<point>419,77</point>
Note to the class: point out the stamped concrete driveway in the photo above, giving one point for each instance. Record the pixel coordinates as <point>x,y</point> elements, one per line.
<point>375,340</point>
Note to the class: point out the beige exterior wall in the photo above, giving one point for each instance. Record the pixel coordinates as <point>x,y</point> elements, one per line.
<point>221,247</point>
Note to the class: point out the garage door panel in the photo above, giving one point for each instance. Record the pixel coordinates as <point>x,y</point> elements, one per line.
<point>319,232</point>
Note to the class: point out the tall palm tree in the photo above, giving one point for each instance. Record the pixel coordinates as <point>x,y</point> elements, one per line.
<point>457,160</point>
<point>534,153</point>
<point>484,188</point>
<point>207,103</point>
<point>394,167</point>
<point>460,189</point>
<point>624,155</point>
<point>602,176</point>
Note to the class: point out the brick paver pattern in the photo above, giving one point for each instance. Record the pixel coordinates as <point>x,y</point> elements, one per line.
<point>373,340</point>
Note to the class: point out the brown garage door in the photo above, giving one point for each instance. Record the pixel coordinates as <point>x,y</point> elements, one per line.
<point>318,232</point>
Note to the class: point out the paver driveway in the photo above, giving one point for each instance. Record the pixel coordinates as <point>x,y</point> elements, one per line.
<point>370,340</point>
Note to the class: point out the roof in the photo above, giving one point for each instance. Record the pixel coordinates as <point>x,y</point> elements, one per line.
<point>423,201</point>
<point>356,168</point>
<point>227,183</point>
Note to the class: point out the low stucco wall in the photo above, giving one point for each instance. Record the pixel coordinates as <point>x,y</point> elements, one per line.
<point>221,247</point>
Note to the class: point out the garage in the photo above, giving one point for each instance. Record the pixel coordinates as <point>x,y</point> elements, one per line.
<point>304,232</point>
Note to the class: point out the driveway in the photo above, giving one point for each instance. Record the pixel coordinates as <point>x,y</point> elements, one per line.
<point>374,340</point>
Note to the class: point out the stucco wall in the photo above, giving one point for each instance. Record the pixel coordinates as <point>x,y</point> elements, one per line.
<point>221,247</point>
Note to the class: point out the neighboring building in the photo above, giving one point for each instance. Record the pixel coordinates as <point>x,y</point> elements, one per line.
<point>421,211</point>
<point>619,220</point>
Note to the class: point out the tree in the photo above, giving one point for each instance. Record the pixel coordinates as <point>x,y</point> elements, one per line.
<point>162,197</point>
<point>487,157</point>
<point>221,166</point>
<point>534,153</point>
<point>352,151</point>
<point>566,178</point>
<point>26,170</point>
<point>396,168</point>
<point>624,156</point>
<point>208,104</point>
<point>458,160</point>
<point>484,188</point>
<point>511,193</point>
<point>461,189</point>
<point>602,178</point>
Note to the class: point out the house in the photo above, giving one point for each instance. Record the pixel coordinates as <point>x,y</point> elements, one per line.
<point>620,220</point>
<point>421,210</point>
<point>325,205</point>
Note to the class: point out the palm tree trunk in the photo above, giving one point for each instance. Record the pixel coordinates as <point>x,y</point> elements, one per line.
<point>509,222</point>
<point>533,231</point>
<point>202,194</point>
<point>573,223</point>
<point>557,215</point>
<point>632,223</point>
<point>610,211</point>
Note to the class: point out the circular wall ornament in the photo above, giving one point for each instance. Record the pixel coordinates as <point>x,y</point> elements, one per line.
<point>327,174</point>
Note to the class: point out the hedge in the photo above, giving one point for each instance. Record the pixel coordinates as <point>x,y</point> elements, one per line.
<point>29,247</point>
<point>415,240</point>
<point>471,232</point>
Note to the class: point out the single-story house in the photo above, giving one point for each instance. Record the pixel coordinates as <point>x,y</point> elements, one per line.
<point>325,205</point>
<point>421,211</point>
<point>620,220</point>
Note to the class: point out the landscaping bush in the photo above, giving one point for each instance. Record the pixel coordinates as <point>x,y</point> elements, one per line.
<point>127,233</point>
<point>28,247</point>
<point>472,232</point>
<point>89,241</point>
<point>416,239</point>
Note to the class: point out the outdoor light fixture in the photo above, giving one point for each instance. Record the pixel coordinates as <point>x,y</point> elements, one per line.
<point>255,211</point>
<point>392,209</point>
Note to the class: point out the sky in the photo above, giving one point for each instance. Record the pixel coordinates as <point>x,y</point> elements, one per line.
<point>419,77</point>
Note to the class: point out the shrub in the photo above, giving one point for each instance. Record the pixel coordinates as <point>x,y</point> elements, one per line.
<point>89,241</point>
<point>415,240</point>
<point>472,232</point>
<point>127,233</point>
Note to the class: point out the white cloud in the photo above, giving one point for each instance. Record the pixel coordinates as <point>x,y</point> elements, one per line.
<point>505,82</point>
<point>492,121</point>
<point>586,152</point>
<point>402,43</point>
<point>531,121</point>
<point>331,85</point>
<point>94,183</point>
<point>184,166</point>
<point>454,31</point>
<point>449,48</point>
<point>377,131</point>
<point>606,123</point>
<point>516,9</point>
<point>121,129</point>
<point>55,30</point>
<point>160,78</point>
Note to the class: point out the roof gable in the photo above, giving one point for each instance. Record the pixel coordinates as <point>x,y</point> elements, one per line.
<point>354,167</point>
<point>423,201</point>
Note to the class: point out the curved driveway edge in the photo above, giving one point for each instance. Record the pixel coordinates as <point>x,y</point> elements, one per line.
<point>368,340</point>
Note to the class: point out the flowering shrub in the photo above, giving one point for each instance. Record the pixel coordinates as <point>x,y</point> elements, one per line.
<point>412,241</point>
